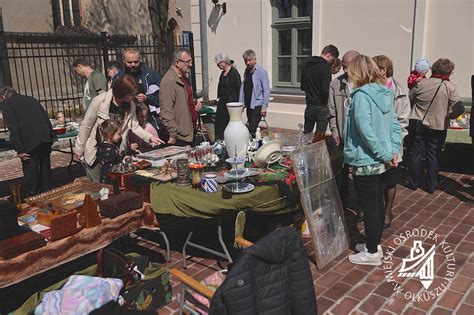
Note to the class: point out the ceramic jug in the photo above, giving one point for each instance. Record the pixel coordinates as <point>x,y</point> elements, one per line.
<point>236,134</point>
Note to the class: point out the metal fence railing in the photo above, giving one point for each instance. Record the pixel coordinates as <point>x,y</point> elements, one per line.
<point>39,64</point>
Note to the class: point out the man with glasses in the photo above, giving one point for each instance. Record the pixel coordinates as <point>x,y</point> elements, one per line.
<point>254,91</point>
<point>179,111</point>
<point>339,99</point>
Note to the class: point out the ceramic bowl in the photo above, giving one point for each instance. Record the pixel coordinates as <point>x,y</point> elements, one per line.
<point>269,153</point>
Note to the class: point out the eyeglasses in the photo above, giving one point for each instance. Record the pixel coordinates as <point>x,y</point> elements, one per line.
<point>188,62</point>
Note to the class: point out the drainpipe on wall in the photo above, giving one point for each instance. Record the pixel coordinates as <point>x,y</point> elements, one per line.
<point>204,57</point>
<point>413,36</point>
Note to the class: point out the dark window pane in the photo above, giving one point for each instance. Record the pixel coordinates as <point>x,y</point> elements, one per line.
<point>66,13</point>
<point>305,7</point>
<point>76,12</point>
<point>284,8</point>
<point>301,61</point>
<point>284,69</point>
<point>56,13</point>
<point>284,42</point>
<point>304,42</point>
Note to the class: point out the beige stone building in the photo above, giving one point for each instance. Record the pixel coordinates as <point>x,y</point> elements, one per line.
<point>285,32</point>
<point>112,16</point>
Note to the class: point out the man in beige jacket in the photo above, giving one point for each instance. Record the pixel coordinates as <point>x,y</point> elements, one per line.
<point>339,98</point>
<point>178,109</point>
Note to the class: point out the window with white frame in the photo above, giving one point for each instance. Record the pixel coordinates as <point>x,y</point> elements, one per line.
<point>292,40</point>
<point>66,13</point>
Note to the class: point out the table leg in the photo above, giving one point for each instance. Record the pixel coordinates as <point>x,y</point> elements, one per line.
<point>184,249</point>
<point>145,240</point>
<point>72,157</point>
<point>225,255</point>
<point>221,240</point>
<point>182,300</point>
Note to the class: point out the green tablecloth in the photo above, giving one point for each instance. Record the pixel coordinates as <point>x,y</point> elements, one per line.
<point>68,134</point>
<point>206,110</point>
<point>186,202</point>
<point>458,136</point>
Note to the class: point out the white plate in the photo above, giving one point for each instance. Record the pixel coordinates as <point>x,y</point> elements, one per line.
<point>241,173</point>
<point>238,188</point>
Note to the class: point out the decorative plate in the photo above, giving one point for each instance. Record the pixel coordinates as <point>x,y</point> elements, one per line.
<point>238,188</point>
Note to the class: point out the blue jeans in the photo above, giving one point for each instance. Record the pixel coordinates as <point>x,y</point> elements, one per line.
<point>427,143</point>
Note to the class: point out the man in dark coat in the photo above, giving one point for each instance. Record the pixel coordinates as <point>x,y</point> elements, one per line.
<point>270,277</point>
<point>32,136</point>
<point>315,80</point>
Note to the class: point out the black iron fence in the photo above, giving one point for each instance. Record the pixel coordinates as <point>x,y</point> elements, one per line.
<point>39,64</point>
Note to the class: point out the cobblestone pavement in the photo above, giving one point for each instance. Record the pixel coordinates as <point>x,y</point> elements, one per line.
<point>343,288</point>
<point>10,171</point>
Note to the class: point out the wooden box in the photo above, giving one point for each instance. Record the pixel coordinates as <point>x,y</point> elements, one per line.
<point>68,197</point>
<point>63,225</point>
<point>120,204</point>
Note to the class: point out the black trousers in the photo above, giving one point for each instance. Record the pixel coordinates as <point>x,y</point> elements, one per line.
<point>37,171</point>
<point>342,181</point>
<point>428,143</point>
<point>222,119</point>
<point>370,190</point>
<point>253,117</point>
<point>316,115</point>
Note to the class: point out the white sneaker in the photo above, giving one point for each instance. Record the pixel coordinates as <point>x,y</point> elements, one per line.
<point>364,258</point>
<point>363,248</point>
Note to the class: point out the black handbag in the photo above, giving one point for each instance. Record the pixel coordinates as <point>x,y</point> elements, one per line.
<point>112,263</point>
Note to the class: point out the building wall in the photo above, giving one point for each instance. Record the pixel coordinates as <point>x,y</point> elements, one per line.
<point>442,29</point>
<point>18,17</point>
<point>116,17</point>
<point>128,17</point>
<point>233,33</point>
<point>448,32</point>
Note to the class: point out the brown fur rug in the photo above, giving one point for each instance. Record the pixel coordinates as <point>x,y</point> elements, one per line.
<point>56,253</point>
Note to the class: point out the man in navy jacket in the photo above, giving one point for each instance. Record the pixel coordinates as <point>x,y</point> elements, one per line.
<point>148,82</point>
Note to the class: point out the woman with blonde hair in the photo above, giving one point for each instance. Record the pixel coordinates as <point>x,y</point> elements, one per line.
<point>371,147</point>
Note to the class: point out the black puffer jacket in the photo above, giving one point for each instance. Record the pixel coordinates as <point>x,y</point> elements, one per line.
<point>270,277</point>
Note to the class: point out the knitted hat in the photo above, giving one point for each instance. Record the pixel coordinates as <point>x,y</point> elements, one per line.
<point>422,65</point>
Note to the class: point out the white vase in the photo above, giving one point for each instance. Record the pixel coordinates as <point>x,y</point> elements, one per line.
<point>236,134</point>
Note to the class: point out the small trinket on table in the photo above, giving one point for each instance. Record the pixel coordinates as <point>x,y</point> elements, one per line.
<point>196,174</point>
<point>88,215</point>
<point>182,172</point>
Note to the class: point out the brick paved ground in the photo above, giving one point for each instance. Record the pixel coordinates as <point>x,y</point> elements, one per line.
<point>10,171</point>
<point>343,288</point>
